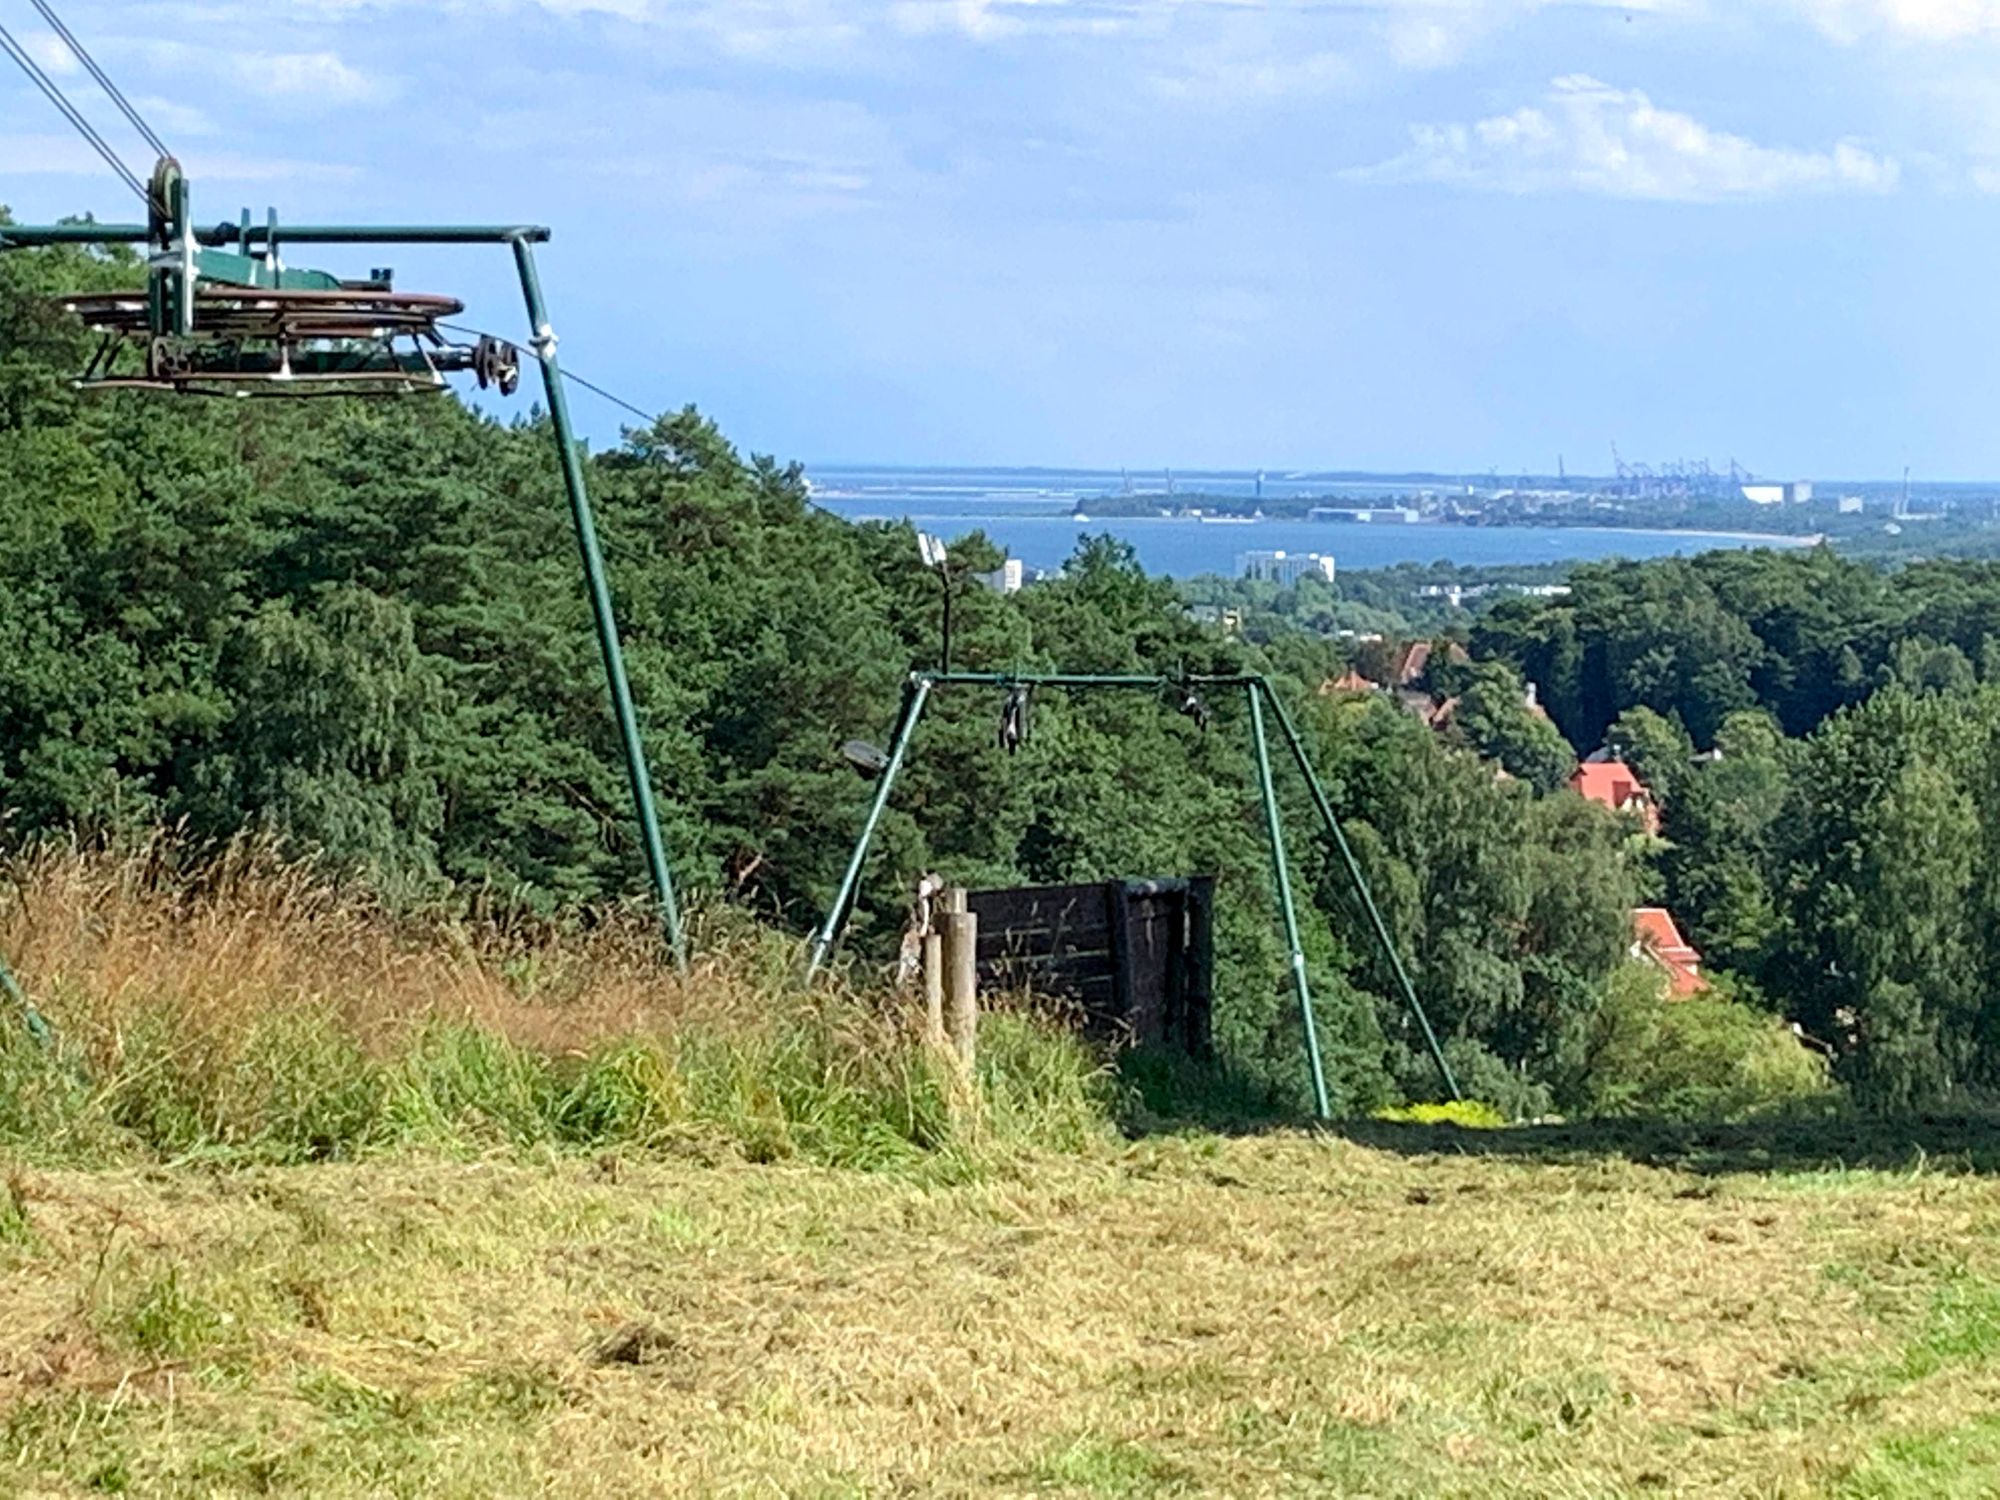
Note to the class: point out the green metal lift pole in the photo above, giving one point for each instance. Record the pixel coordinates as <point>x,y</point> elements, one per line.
<point>1082,680</point>
<point>915,695</point>
<point>236,236</point>
<point>1360,882</point>
<point>1277,830</point>
<point>600,601</point>
<point>38,1028</point>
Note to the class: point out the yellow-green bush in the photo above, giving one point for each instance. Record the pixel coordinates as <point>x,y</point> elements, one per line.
<point>1469,1113</point>
<point>1712,1057</point>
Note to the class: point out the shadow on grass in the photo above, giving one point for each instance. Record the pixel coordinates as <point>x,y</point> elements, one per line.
<point>1952,1143</point>
<point>1170,1093</point>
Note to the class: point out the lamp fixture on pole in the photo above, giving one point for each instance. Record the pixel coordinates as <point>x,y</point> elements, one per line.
<point>937,557</point>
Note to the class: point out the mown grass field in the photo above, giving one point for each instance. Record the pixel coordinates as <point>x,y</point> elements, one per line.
<point>1396,1311</point>
<point>303,1196</point>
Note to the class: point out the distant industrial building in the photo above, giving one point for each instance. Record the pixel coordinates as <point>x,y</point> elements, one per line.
<point>1285,568</point>
<point>1008,578</point>
<point>1378,515</point>
<point>1798,492</point>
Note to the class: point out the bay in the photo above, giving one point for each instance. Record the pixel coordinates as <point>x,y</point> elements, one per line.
<point>1029,513</point>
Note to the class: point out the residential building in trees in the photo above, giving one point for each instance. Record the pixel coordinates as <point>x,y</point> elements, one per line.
<point>1656,939</point>
<point>1613,784</point>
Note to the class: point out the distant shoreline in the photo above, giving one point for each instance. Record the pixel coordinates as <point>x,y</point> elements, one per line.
<point>1781,538</point>
<point>1339,528</point>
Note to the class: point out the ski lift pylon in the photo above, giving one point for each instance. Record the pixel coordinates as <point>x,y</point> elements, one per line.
<point>211,319</point>
<point>241,323</point>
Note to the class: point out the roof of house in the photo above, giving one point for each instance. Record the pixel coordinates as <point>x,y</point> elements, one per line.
<point>1412,661</point>
<point>1350,681</point>
<point>1417,703</point>
<point>1611,782</point>
<point>1659,938</point>
<point>1415,659</point>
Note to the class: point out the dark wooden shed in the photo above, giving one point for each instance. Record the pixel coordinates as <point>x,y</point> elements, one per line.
<point>1137,957</point>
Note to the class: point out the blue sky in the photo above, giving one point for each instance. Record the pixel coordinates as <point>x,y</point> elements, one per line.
<point>1462,234</point>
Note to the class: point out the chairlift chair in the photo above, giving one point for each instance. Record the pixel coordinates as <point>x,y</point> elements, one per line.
<point>241,323</point>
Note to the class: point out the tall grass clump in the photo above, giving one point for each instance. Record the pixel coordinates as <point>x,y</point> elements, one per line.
<point>235,1006</point>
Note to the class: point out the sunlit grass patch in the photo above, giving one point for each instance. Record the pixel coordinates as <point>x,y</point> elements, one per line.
<point>1288,1314</point>
<point>1111,1467</point>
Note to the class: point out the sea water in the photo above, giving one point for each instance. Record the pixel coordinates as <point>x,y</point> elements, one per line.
<point>1031,513</point>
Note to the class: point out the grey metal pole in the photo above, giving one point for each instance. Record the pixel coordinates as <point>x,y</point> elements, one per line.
<point>1361,888</point>
<point>600,603</point>
<point>1275,825</point>
<point>915,695</point>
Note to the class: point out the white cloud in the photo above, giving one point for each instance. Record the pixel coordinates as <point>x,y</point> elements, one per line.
<point>996,20</point>
<point>1207,79</point>
<point>321,77</point>
<point>784,32</point>
<point>1924,20</point>
<point>50,54</point>
<point>1588,137</point>
<point>172,118</point>
<point>1439,33</point>
<point>1416,33</point>
<point>68,156</point>
<point>61,155</point>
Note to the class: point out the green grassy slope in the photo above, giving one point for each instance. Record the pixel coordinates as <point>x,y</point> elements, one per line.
<point>1363,1315</point>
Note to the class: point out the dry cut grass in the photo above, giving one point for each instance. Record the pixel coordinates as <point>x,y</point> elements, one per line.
<point>1280,1316</point>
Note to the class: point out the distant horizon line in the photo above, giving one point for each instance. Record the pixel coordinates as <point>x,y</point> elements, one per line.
<point>1296,474</point>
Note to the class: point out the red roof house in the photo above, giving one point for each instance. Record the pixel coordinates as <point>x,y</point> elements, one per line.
<point>1657,938</point>
<point>1613,784</point>
<point>1412,662</point>
<point>1350,681</point>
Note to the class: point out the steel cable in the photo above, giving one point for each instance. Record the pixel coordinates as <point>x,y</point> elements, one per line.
<point>103,80</point>
<point>69,111</point>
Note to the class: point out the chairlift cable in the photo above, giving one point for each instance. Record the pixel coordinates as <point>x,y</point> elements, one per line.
<point>648,417</point>
<point>568,374</point>
<point>103,80</point>
<point>639,412</point>
<point>69,111</point>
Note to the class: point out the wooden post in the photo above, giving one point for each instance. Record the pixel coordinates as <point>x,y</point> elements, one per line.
<point>961,977</point>
<point>934,990</point>
<point>1118,917</point>
<point>1198,981</point>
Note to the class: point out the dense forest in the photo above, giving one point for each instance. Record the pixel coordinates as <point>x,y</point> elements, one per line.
<point>358,627</point>
<point>1822,735</point>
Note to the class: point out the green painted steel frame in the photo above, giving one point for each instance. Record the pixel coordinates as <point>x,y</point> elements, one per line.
<point>1257,689</point>
<point>521,239</point>
<point>38,1028</point>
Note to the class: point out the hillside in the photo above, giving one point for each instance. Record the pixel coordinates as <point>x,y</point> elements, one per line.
<point>1377,1315</point>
